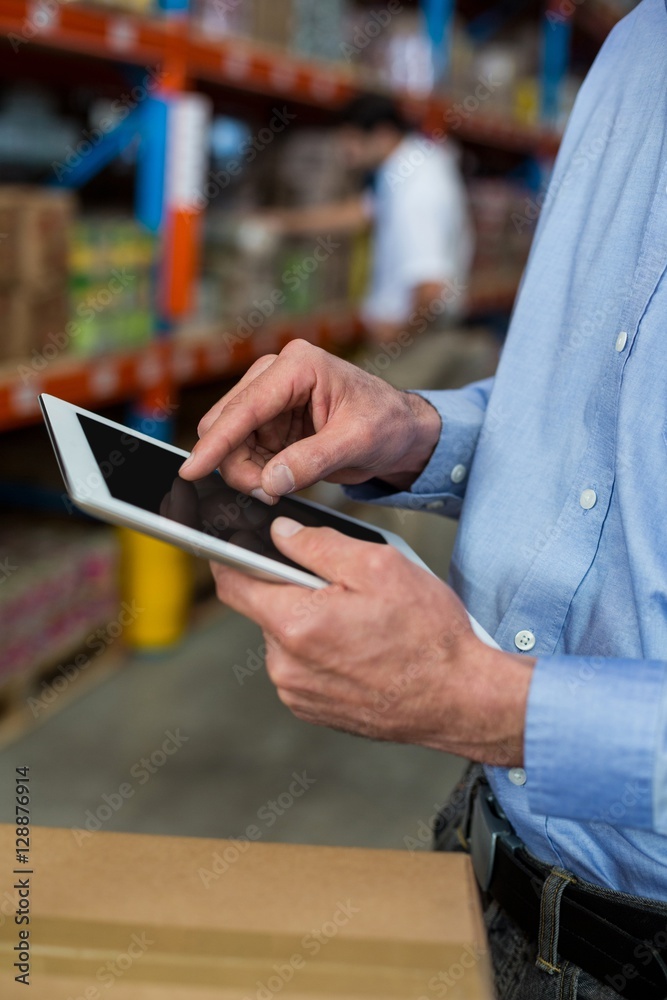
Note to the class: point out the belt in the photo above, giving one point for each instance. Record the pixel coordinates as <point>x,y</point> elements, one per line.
<point>609,935</point>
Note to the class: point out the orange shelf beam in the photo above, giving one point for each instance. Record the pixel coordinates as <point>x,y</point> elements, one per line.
<point>74,28</point>
<point>238,63</point>
<point>100,381</point>
<point>187,360</point>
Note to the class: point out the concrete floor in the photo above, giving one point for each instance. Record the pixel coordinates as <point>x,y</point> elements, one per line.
<point>240,750</point>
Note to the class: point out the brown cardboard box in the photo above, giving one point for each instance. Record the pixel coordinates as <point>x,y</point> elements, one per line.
<point>33,321</point>
<point>34,235</point>
<point>10,214</point>
<point>272,21</point>
<point>162,918</point>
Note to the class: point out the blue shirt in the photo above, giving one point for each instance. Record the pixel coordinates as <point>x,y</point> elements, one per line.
<point>563,509</point>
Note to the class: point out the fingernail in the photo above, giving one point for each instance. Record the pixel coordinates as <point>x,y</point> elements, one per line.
<point>187,462</point>
<point>260,494</point>
<point>285,526</point>
<point>282,480</point>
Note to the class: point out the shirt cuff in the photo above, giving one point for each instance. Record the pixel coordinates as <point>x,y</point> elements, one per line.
<point>441,486</point>
<point>593,739</point>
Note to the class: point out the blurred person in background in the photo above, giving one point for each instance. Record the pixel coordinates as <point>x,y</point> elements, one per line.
<point>415,202</point>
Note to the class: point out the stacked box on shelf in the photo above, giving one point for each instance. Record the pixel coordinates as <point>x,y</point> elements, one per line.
<point>251,274</point>
<point>317,28</point>
<point>267,21</point>
<point>34,237</point>
<point>59,585</point>
<point>131,6</point>
<point>111,284</point>
<point>308,28</point>
<point>245,286</point>
<point>311,170</point>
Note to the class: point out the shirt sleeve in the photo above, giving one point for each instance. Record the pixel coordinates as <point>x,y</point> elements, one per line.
<point>441,486</point>
<point>595,743</point>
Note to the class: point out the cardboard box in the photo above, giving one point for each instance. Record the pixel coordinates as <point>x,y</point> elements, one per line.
<point>273,21</point>
<point>33,321</point>
<point>162,918</point>
<point>34,229</point>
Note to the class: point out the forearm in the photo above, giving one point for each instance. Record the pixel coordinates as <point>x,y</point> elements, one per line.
<point>486,701</point>
<point>343,216</point>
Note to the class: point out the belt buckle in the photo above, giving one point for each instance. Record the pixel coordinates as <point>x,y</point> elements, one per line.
<point>488,825</point>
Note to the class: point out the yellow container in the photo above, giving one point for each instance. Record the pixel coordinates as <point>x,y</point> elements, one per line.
<point>157,577</point>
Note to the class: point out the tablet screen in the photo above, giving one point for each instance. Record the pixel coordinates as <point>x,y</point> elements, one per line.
<point>146,475</point>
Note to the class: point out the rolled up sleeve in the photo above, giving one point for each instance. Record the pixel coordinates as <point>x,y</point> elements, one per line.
<point>595,741</point>
<point>442,484</point>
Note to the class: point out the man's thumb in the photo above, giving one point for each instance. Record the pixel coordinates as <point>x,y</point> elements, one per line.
<point>328,553</point>
<point>305,462</point>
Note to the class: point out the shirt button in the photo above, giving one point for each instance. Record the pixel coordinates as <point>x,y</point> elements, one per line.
<point>621,341</point>
<point>517,775</point>
<point>524,639</point>
<point>435,505</point>
<point>458,473</point>
<point>588,499</point>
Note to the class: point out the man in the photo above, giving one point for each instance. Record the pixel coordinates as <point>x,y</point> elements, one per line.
<point>557,468</point>
<point>418,209</point>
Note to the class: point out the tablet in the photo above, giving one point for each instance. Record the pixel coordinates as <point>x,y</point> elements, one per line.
<point>127,478</point>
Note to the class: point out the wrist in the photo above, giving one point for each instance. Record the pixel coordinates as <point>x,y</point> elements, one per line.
<point>424,428</point>
<point>490,703</point>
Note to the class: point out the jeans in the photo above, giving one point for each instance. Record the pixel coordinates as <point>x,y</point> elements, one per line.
<point>513,954</point>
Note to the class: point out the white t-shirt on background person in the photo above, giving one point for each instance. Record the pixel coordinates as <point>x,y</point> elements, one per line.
<point>422,232</point>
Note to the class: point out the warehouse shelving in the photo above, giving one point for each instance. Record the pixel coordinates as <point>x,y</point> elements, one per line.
<point>237,63</point>
<point>233,71</point>
<point>242,65</point>
<point>164,363</point>
<point>190,357</point>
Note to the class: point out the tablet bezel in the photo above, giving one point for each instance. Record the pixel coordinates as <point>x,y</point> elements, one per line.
<point>87,489</point>
<point>75,458</point>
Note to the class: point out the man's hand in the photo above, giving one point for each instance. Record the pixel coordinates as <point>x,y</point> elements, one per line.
<point>385,651</point>
<point>305,415</point>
